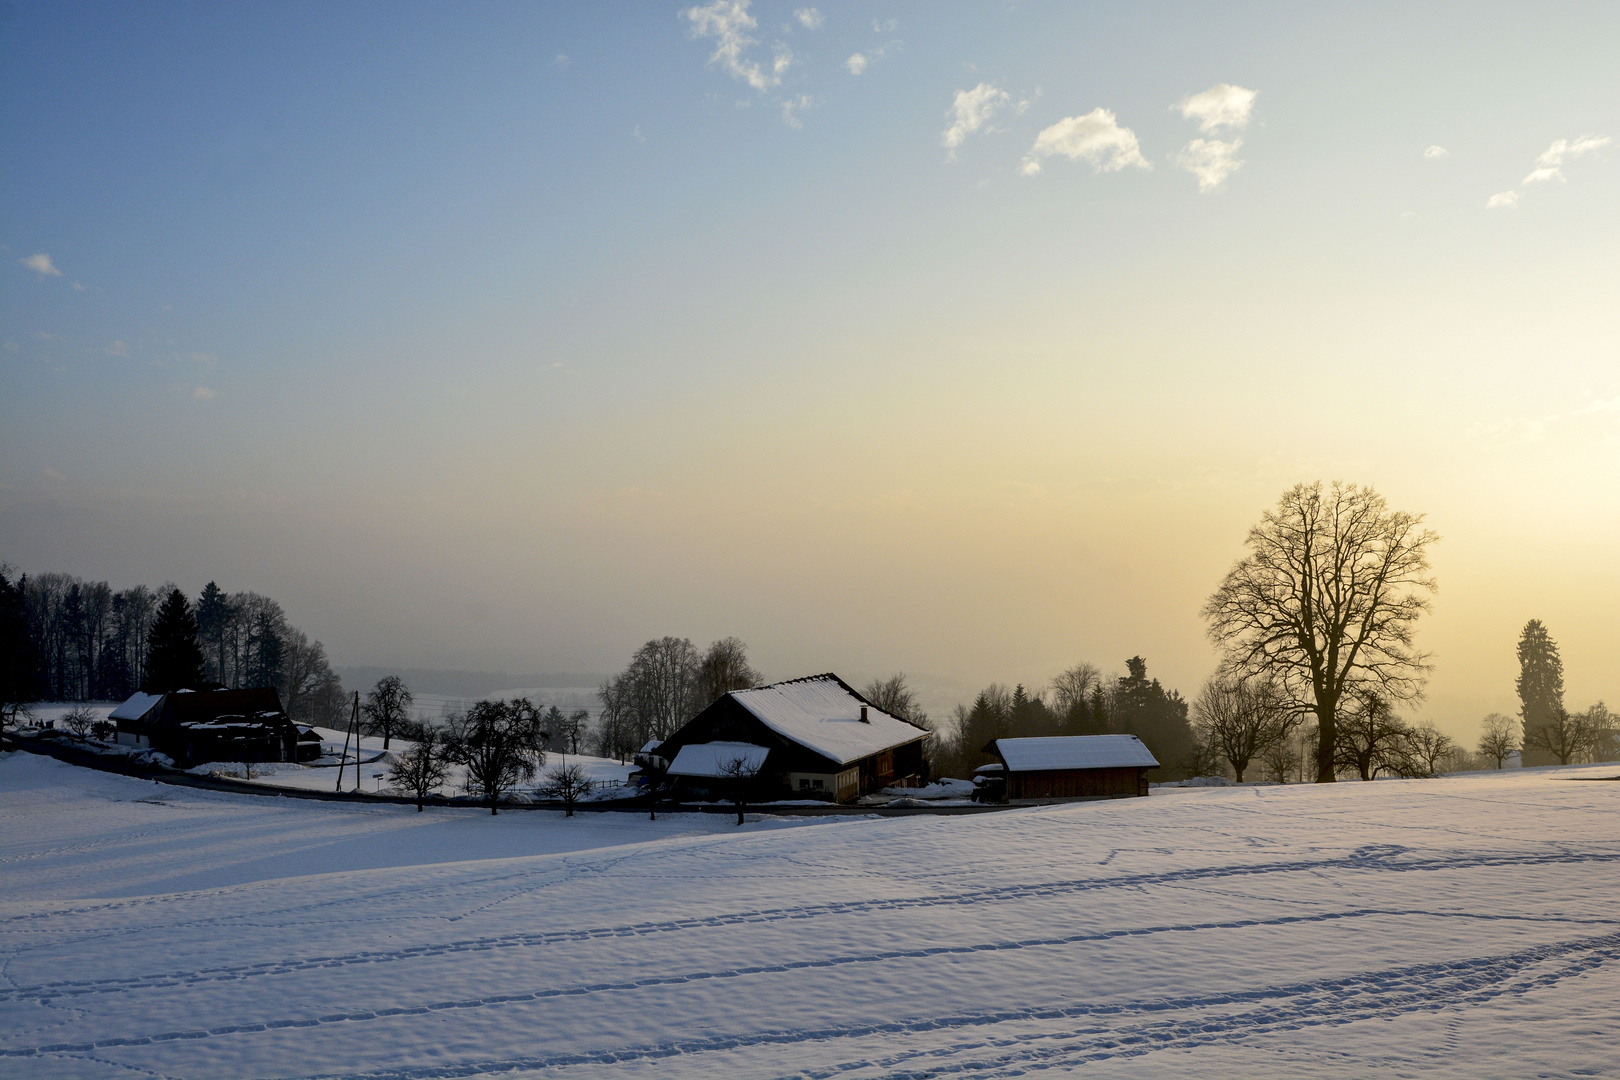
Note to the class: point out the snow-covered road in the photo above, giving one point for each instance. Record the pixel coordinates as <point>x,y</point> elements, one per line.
<point>1465,927</point>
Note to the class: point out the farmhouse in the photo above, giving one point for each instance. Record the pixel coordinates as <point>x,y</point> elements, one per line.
<point>1065,767</point>
<point>805,738</point>
<point>193,726</point>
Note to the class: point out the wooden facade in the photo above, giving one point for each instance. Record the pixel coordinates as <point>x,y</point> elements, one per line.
<point>795,767</point>
<point>1077,783</point>
<point>1067,767</point>
<point>214,725</point>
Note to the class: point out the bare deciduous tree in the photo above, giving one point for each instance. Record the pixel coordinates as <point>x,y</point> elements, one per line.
<point>1563,734</point>
<point>388,707</point>
<point>567,784</point>
<point>1279,760</point>
<point>1242,720</point>
<point>1499,738</point>
<point>421,770</point>
<point>500,744</point>
<point>1325,604</point>
<point>79,722</point>
<point>740,773</point>
<point>1421,750</point>
<point>1369,738</point>
<point>722,669</point>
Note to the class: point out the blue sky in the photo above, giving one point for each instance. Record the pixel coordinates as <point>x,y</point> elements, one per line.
<point>511,335</point>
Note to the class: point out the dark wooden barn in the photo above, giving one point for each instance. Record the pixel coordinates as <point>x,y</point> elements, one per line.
<point>194,726</point>
<point>805,738</point>
<point>1065,767</point>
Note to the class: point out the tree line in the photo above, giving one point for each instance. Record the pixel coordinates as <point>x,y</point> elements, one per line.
<point>67,639</point>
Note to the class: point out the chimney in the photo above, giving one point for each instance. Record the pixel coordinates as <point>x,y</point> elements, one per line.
<point>864,720</point>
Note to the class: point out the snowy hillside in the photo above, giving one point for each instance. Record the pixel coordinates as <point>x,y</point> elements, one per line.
<point>1464,927</point>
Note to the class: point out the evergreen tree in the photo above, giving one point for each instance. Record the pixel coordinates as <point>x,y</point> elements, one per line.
<point>214,610</point>
<point>265,652</point>
<point>1159,718</point>
<point>1541,689</point>
<point>174,659</point>
<point>19,665</point>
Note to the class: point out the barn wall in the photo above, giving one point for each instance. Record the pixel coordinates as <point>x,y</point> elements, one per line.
<point>1077,783</point>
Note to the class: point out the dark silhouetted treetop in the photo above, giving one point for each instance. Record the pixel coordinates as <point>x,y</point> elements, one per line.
<point>174,659</point>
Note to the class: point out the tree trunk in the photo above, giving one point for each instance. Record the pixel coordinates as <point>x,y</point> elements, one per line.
<point>1238,769</point>
<point>1327,734</point>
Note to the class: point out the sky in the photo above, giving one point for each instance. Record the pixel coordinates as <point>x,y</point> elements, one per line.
<point>960,339</point>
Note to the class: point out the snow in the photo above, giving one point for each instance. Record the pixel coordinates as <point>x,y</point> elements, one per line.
<point>136,707</point>
<point>1462,927</point>
<point>713,758</point>
<point>823,714</point>
<point>1075,752</point>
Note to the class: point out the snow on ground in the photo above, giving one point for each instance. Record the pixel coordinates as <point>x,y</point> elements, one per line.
<point>1460,927</point>
<point>609,779</point>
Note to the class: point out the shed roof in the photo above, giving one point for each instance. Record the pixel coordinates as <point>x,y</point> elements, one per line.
<point>822,713</point>
<point>713,758</point>
<point>136,707</point>
<point>1074,752</point>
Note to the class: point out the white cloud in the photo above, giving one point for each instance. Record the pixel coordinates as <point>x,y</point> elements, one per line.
<point>809,18</point>
<point>1222,105</point>
<point>1502,200</point>
<point>1600,405</point>
<point>1435,153</point>
<point>795,105</point>
<point>1510,431</point>
<point>971,111</point>
<point>41,264</point>
<point>118,348</point>
<point>562,63</point>
<point>1211,160</point>
<point>1549,166</point>
<point>202,393</point>
<point>1096,136</point>
<point>728,22</point>
<point>856,63</point>
<point>888,26</point>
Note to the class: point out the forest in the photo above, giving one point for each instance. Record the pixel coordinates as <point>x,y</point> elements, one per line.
<point>67,639</point>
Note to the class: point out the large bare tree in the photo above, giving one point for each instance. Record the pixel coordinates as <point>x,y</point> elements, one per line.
<point>1325,602</point>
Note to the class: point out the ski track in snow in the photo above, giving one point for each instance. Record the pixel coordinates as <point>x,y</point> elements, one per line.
<point>1465,927</point>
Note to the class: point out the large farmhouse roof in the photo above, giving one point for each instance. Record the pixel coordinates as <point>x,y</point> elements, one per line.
<point>822,713</point>
<point>717,759</point>
<point>1074,752</point>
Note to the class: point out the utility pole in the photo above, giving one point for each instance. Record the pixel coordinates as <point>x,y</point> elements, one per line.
<point>343,762</point>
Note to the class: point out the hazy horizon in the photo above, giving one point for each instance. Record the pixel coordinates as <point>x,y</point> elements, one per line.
<point>963,340</point>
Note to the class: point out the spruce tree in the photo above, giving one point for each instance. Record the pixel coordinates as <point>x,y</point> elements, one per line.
<point>174,659</point>
<point>213,619</point>
<point>1541,687</point>
<point>19,665</point>
<point>267,652</point>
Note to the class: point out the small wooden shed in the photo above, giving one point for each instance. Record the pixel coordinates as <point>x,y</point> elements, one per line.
<point>1070,767</point>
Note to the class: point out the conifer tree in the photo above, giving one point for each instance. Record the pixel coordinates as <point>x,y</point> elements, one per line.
<point>174,659</point>
<point>1541,688</point>
<point>213,620</point>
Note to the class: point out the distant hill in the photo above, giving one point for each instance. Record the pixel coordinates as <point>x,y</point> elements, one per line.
<point>452,683</point>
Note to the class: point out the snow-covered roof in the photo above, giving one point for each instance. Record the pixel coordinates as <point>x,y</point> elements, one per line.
<point>824,714</point>
<point>714,758</point>
<point>651,746</point>
<point>1074,752</point>
<point>136,707</point>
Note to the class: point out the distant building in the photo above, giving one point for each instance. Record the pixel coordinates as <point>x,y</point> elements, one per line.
<point>804,738</point>
<point>1065,767</point>
<point>194,726</point>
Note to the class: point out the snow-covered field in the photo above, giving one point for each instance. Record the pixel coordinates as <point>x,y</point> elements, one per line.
<point>1465,927</point>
